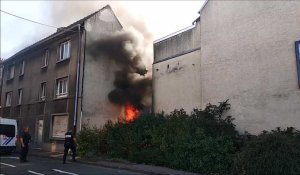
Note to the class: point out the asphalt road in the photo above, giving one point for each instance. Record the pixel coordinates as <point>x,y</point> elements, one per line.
<point>10,165</point>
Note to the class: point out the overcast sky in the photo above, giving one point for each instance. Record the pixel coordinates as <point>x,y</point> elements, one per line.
<point>161,18</point>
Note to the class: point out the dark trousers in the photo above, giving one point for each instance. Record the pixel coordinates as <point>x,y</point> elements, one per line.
<point>67,147</point>
<point>24,152</point>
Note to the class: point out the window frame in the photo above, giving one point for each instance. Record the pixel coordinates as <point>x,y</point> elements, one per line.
<point>297,50</point>
<point>10,72</point>
<point>45,58</point>
<point>59,88</point>
<point>42,95</point>
<point>20,97</point>
<point>6,95</point>
<point>22,68</point>
<point>61,51</point>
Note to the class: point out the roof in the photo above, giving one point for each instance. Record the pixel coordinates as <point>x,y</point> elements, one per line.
<point>57,33</point>
<point>206,1</point>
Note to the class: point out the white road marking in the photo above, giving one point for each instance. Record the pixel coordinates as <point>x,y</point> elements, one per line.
<point>33,172</point>
<point>65,172</point>
<point>9,158</point>
<point>56,155</point>
<point>7,164</point>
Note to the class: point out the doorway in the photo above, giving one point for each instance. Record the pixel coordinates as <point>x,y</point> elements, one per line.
<point>40,128</point>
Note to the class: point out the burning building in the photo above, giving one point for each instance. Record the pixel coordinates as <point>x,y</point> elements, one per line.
<point>88,73</point>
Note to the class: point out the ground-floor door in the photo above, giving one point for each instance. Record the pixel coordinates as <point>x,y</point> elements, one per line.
<point>40,128</point>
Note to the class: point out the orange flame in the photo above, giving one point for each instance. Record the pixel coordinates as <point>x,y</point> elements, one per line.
<point>130,112</point>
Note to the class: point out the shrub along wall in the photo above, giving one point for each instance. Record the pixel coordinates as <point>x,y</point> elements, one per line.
<point>202,141</point>
<point>270,153</point>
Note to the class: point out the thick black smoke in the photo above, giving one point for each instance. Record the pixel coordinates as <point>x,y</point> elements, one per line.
<point>131,83</point>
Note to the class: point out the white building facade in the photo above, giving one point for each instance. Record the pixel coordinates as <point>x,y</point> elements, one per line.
<point>248,53</point>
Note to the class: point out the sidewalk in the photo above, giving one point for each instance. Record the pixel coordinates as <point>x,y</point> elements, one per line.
<point>141,168</point>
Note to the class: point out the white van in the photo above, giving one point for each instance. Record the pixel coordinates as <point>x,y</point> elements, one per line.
<point>8,134</point>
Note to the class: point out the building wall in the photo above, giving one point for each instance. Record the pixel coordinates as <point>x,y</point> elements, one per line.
<point>98,73</point>
<point>175,45</point>
<point>176,72</point>
<point>32,108</point>
<point>248,57</point>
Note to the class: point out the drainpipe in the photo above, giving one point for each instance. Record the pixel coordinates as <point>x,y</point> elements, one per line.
<point>82,79</point>
<point>77,79</point>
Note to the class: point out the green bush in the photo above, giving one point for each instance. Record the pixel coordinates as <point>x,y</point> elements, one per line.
<point>270,153</point>
<point>92,142</point>
<point>200,142</point>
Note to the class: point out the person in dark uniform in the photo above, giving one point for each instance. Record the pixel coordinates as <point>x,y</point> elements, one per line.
<point>24,139</point>
<point>69,144</point>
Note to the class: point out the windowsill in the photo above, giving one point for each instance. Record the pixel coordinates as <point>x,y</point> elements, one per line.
<point>57,138</point>
<point>21,77</point>
<point>44,67</point>
<point>59,61</point>
<point>7,106</point>
<point>61,97</point>
<point>42,101</point>
<point>9,79</point>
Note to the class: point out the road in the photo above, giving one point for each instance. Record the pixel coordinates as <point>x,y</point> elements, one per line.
<point>10,165</point>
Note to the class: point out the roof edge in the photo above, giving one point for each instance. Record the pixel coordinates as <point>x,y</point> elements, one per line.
<point>203,6</point>
<point>174,34</point>
<point>108,6</point>
<point>38,43</point>
<point>55,34</point>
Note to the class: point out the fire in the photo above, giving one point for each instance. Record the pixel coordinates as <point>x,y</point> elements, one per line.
<point>130,112</point>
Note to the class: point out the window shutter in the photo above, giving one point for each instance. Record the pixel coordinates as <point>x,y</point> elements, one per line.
<point>58,52</point>
<point>297,47</point>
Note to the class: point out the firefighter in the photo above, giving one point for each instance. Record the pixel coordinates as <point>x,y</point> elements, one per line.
<point>70,143</point>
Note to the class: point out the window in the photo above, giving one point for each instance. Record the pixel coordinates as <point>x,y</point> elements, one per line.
<point>20,93</point>
<point>64,51</point>
<point>7,130</point>
<point>59,126</point>
<point>22,67</point>
<point>45,58</point>
<point>1,71</point>
<point>11,71</point>
<point>43,91</point>
<point>8,97</point>
<point>297,46</point>
<point>62,87</point>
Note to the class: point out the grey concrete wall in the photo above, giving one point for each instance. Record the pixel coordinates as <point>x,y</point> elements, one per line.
<point>98,72</point>
<point>176,83</point>
<point>177,80</point>
<point>185,41</point>
<point>248,57</point>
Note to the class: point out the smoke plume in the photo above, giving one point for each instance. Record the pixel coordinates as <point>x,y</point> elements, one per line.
<point>64,13</point>
<point>130,49</point>
<point>131,83</point>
